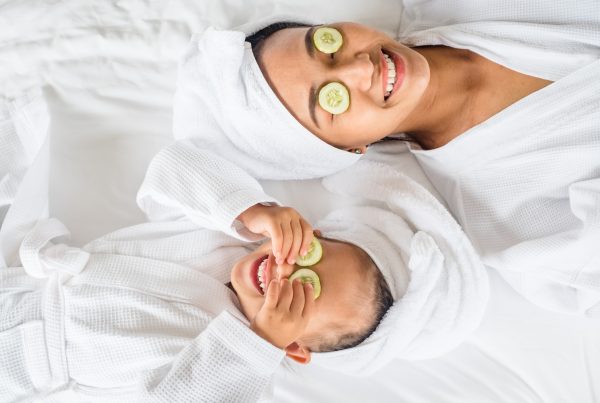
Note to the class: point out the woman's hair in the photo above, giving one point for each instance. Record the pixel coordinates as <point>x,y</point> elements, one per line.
<point>258,38</point>
<point>377,295</point>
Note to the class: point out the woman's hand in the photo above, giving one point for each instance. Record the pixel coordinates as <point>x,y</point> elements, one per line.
<point>286,312</point>
<point>290,233</point>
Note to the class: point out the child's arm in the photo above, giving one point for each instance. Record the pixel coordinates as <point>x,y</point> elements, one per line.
<point>229,361</point>
<point>184,181</point>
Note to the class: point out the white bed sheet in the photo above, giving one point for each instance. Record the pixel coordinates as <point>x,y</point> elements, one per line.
<point>108,71</point>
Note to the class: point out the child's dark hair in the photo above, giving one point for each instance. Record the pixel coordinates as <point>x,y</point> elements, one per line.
<point>381,300</point>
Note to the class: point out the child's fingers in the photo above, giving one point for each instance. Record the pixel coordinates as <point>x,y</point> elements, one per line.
<point>288,237</point>
<point>307,237</point>
<point>276,239</point>
<point>296,242</point>
<point>309,301</point>
<point>272,294</point>
<point>285,295</point>
<point>298,300</point>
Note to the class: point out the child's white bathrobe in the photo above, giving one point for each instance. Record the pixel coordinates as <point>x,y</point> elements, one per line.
<point>142,314</point>
<point>525,184</point>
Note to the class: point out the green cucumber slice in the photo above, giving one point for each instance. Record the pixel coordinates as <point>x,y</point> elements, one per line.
<point>334,98</point>
<point>327,40</point>
<point>308,276</point>
<point>312,257</point>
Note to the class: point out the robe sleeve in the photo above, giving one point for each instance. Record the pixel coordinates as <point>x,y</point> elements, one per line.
<point>184,181</point>
<point>227,362</point>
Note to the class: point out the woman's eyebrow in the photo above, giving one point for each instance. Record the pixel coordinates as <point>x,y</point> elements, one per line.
<point>312,94</point>
<point>308,42</point>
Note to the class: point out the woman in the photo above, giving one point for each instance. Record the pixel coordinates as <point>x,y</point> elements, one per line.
<point>501,108</point>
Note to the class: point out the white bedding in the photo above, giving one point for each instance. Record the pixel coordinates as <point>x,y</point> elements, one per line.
<point>108,69</point>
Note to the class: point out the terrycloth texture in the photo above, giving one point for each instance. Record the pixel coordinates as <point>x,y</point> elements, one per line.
<point>543,38</point>
<point>223,99</point>
<point>141,314</point>
<point>525,185</point>
<point>24,157</point>
<point>136,315</point>
<point>435,276</point>
<point>446,296</point>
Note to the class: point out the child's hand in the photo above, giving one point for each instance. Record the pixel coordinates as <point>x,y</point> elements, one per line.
<point>286,312</point>
<point>291,234</point>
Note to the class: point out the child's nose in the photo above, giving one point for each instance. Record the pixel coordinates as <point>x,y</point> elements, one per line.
<point>284,270</point>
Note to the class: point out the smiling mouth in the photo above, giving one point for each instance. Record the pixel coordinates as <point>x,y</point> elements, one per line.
<point>259,273</point>
<point>392,73</point>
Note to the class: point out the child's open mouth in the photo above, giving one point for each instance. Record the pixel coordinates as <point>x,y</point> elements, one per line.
<point>260,274</point>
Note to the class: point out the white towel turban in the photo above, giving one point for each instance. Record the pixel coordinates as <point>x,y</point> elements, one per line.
<point>224,101</point>
<point>439,285</point>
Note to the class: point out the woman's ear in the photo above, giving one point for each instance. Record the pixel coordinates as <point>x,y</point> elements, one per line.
<point>358,150</point>
<point>298,353</point>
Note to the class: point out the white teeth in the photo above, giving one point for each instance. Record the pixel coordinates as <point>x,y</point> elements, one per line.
<point>260,274</point>
<point>391,74</point>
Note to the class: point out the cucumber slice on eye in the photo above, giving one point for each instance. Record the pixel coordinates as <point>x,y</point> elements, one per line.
<point>312,257</point>
<point>308,276</point>
<point>334,98</point>
<point>327,40</point>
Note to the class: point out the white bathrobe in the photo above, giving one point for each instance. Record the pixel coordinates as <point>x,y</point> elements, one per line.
<point>525,184</point>
<point>142,314</point>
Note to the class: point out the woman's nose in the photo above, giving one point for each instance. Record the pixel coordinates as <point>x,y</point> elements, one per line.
<point>357,72</point>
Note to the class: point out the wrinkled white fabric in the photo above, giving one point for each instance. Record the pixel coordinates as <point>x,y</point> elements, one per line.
<point>24,156</point>
<point>525,185</point>
<point>447,294</point>
<point>543,38</point>
<point>141,314</point>
<point>224,102</point>
<point>437,280</point>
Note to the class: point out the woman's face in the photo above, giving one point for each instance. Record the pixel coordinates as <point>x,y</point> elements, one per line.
<point>344,283</point>
<point>296,71</point>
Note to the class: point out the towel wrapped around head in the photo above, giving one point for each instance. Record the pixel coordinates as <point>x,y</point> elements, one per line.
<point>440,286</point>
<point>225,103</point>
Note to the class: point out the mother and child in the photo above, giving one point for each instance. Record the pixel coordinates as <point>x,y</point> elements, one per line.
<point>498,103</point>
<point>501,113</point>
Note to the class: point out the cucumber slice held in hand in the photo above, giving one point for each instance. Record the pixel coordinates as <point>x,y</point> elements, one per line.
<point>327,40</point>
<point>312,257</point>
<point>334,98</point>
<point>308,276</point>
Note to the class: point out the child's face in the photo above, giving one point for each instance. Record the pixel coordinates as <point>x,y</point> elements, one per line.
<point>344,282</point>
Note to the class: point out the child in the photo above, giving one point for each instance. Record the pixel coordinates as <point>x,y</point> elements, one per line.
<point>141,313</point>
<point>145,314</point>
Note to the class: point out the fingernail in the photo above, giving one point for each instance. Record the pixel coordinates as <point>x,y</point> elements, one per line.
<point>303,253</point>
<point>291,261</point>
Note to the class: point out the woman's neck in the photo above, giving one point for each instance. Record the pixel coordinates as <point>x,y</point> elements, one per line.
<point>446,108</point>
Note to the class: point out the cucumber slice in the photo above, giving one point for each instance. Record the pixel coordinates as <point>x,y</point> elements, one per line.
<point>334,98</point>
<point>327,40</point>
<point>312,257</point>
<point>308,276</point>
